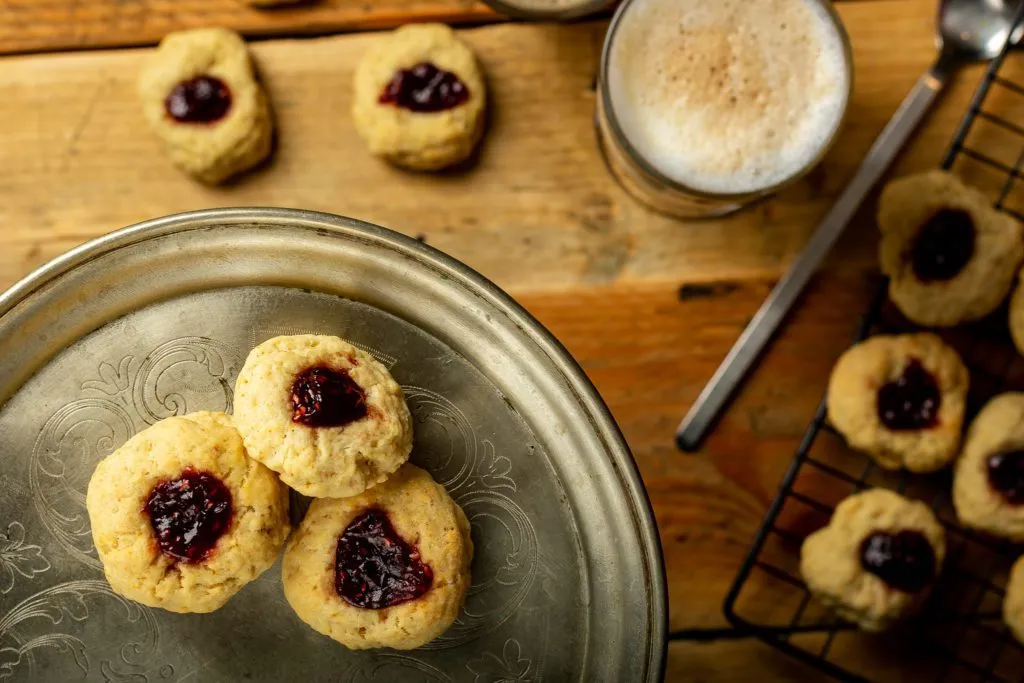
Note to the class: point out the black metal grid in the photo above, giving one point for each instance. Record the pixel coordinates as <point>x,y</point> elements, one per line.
<point>960,635</point>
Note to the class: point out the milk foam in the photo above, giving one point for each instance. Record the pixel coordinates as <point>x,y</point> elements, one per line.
<point>727,96</point>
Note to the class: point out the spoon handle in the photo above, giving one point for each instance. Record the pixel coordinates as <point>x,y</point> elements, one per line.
<point>774,309</point>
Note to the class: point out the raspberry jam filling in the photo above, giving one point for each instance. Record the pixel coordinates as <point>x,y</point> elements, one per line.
<point>911,401</point>
<point>375,567</point>
<point>1006,475</point>
<point>943,246</point>
<point>904,560</point>
<point>322,397</point>
<point>189,514</point>
<point>424,88</point>
<point>203,99</point>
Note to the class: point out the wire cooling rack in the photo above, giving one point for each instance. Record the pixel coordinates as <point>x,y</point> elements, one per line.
<point>960,636</point>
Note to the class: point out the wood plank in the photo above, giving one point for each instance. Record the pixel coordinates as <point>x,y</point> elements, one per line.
<point>48,25</point>
<point>73,141</point>
<point>51,25</point>
<point>744,661</point>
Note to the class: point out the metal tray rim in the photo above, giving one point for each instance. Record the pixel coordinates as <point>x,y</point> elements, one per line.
<point>329,225</point>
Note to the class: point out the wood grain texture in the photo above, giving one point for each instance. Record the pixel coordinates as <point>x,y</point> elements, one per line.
<point>78,160</point>
<point>649,306</point>
<point>49,25</point>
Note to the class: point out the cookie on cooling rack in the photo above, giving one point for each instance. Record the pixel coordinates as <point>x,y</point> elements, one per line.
<point>1013,602</point>
<point>949,255</point>
<point>182,518</point>
<point>900,399</point>
<point>1017,314</point>
<point>876,561</point>
<point>988,490</point>
<point>386,568</point>
<point>200,95</point>
<point>323,414</point>
<point>420,98</point>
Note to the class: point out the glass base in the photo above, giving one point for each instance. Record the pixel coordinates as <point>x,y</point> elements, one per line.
<point>655,194</point>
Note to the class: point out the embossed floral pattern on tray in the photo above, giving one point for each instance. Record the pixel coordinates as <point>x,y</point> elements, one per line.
<point>18,557</point>
<point>189,373</point>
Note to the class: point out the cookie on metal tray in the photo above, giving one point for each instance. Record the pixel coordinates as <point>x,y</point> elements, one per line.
<point>323,414</point>
<point>386,568</point>
<point>182,518</point>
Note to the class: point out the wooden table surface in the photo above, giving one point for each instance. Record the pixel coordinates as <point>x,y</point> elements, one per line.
<point>648,305</point>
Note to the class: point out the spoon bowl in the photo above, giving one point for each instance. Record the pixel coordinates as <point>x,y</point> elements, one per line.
<point>975,30</point>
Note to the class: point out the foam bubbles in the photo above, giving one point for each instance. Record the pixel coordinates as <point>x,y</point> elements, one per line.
<point>727,96</point>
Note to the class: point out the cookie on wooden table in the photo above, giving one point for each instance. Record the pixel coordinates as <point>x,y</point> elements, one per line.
<point>182,518</point>
<point>323,414</point>
<point>200,96</point>
<point>950,256</point>
<point>988,490</point>
<point>420,98</point>
<point>876,561</point>
<point>900,399</point>
<point>386,568</point>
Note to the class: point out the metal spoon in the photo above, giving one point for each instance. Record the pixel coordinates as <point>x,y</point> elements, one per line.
<point>967,31</point>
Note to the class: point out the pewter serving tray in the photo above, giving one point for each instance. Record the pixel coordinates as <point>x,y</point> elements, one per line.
<point>155,320</point>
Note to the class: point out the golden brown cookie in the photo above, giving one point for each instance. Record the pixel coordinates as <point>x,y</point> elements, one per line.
<point>900,399</point>
<point>949,255</point>
<point>323,414</point>
<point>182,518</point>
<point>988,490</point>
<point>1013,602</point>
<point>419,98</point>
<point>386,568</point>
<point>877,559</point>
<point>1017,314</point>
<point>200,95</point>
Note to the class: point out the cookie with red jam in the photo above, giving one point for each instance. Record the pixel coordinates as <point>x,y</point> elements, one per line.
<point>323,414</point>
<point>877,560</point>
<point>387,568</point>
<point>420,99</point>
<point>988,488</point>
<point>200,95</point>
<point>182,518</point>
<point>950,256</point>
<point>900,399</point>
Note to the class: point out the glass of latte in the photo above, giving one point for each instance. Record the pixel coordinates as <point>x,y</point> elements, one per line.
<point>554,10</point>
<point>705,106</point>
